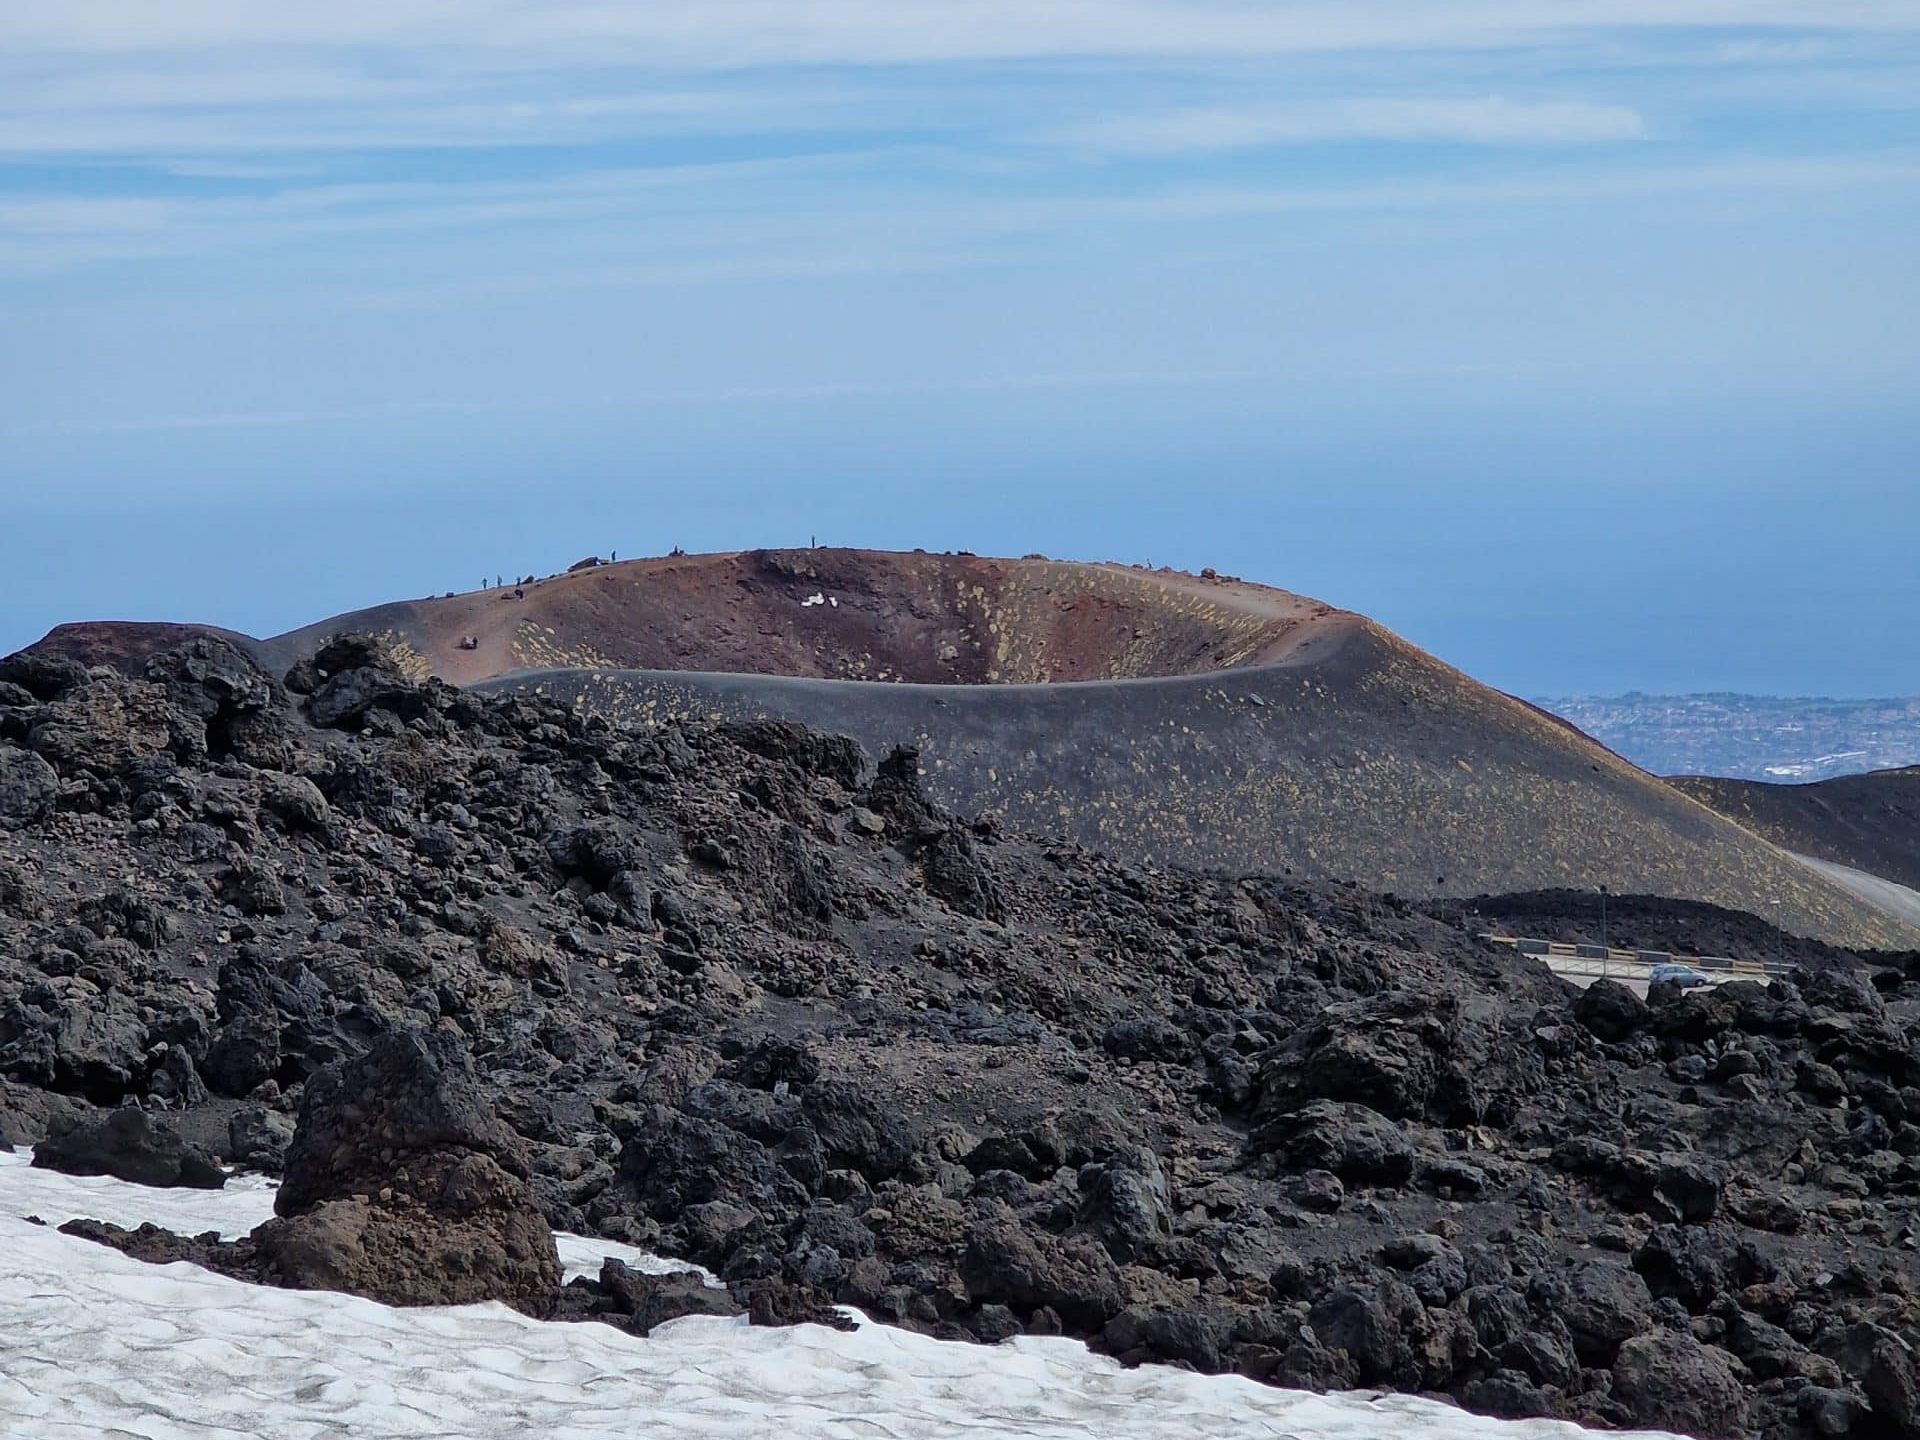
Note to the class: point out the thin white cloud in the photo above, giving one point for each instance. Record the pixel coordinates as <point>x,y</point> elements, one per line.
<point>202,85</point>
<point>273,96</point>
<point>395,205</point>
<point>79,215</point>
<point>212,120</point>
<point>1737,174</point>
<point>201,79</point>
<point>677,225</point>
<point>1487,121</point>
<point>727,34</point>
<point>799,394</point>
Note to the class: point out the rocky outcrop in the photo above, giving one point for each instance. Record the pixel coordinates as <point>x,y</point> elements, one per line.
<point>402,1186</point>
<point>639,1301</point>
<point>1610,1010</point>
<point>130,1144</point>
<point>239,706</point>
<point>1671,1379</point>
<point>1352,1141</point>
<point>28,1113</point>
<point>70,1034</point>
<point>351,677</point>
<point>257,1138</point>
<point>29,786</point>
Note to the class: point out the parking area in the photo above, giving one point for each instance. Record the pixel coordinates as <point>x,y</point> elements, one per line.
<point>1584,972</point>
<point>1583,964</point>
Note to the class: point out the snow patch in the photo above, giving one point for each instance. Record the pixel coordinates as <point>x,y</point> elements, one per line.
<point>246,1201</point>
<point>96,1343</point>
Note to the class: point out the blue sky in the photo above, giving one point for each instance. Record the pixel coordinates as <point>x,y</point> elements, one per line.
<point>1576,341</point>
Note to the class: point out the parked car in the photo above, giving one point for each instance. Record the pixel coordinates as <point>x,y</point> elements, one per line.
<point>1685,976</point>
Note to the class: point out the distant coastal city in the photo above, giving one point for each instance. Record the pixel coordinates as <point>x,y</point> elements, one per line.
<point>1750,737</point>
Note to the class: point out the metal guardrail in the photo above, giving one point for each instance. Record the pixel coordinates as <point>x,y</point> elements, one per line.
<point>1607,955</point>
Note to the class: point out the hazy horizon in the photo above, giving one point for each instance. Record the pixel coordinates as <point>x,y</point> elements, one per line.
<point>1578,345</point>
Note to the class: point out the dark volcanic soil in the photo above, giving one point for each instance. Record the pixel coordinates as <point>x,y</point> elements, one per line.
<point>1870,822</point>
<point>751,999</point>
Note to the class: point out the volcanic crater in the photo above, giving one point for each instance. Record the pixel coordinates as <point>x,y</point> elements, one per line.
<point>1163,717</point>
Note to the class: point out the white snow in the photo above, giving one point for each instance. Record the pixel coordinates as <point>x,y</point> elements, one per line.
<point>95,1344</point>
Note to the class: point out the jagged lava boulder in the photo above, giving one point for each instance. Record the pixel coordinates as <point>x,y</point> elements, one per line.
<point>29,786</point>
<point>401,1185</point>
<point>131,1145</point>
